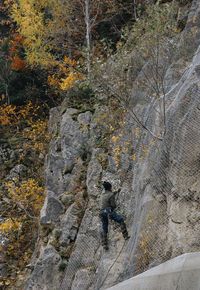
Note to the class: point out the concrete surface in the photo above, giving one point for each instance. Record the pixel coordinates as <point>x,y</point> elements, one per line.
<point>180,273</point>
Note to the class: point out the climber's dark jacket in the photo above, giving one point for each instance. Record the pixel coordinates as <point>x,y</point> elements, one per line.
<point>107,211</point>
<point>108,200</point>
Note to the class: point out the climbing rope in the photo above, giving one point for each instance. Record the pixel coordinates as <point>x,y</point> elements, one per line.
<point>109,269</point>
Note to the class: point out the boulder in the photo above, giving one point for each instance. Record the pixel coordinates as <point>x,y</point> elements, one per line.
<point>47,264</point>
<point>52,209</point>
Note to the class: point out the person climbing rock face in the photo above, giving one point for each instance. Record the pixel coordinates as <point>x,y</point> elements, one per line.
<point>107,211</point>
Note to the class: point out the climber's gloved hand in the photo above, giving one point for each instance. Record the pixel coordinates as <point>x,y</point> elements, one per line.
<point>117,191</point>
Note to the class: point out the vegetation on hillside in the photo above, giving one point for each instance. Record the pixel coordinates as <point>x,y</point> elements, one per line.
<point>50,49</point>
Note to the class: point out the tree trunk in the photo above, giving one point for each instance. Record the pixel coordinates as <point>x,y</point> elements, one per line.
<point>7,95</point>
<point>88,36</point>
<point>135,9</point>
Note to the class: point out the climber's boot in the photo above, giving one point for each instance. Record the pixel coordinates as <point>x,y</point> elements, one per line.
<point>104,240</point>
<point>124,231</point>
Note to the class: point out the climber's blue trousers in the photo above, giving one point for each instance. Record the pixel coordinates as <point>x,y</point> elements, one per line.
<point>107,213</point>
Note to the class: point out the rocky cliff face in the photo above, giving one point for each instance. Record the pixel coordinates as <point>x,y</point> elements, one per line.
<point>159,181</point>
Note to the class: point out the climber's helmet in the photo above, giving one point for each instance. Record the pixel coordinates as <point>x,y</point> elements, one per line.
<point>107,185</point>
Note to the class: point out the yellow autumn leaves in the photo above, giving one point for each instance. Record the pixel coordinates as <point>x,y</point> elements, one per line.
<point>20,221</point>
<point>11,115</point>
<point>29,15</point>
<point>22,196</point>
<point>66,75</point>
<point>6,114</point>
<point>65,83</point>
<point>28,197</point>
<point>9,225</point>
<point>37,134</point>
<point>40,29</point>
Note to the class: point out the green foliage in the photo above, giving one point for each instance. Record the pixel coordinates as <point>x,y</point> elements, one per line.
<point>81,97</point>
<point>157,24</point>
<point>136,73</point>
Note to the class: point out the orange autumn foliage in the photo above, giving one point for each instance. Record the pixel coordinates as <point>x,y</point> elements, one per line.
<point>17,63</point>
<point>16,45</point>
